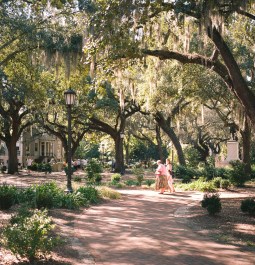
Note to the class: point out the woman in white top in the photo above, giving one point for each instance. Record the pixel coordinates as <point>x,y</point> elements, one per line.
<point>169,175</point>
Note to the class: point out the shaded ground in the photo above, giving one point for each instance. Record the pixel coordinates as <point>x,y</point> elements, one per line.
<point>132,230</point>
<point>231,225</point>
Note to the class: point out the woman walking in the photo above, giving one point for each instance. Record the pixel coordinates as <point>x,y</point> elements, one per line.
<point>161,177</point>
<point>170,180</point>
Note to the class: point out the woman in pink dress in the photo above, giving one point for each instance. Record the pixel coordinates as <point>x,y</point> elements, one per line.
<point>161,177</point>
<point>170,181</point>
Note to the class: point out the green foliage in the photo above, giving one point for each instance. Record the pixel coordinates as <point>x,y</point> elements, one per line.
<point>77,179</point>
<point>72,201</point>
<point>225,184</point>
<point>209,172</point>
<point>93,170</point>
<point>217,182</point>
<point>97,178</point>
<point>106,192</point>
<point>141,150</point>
<point>237,176</point>
<point>8,196</point>
<point>200,185</point>
<point>46,194</point>
<point>221,172</point>
<point>72,170</point>
<point>192,156</point>
<point>29,234</point>
<point>248,206</point>
<point>139,174</point>
<point>116,177</point>
<point>41,167</point>
<point>89,193</point>
<point>212,203</point>
<point>131,182</point>
<point>149,182</point>
<point>184,173</point>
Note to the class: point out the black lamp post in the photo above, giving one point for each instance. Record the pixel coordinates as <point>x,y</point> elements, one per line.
<point>70,97</point>
<point>122,135</point>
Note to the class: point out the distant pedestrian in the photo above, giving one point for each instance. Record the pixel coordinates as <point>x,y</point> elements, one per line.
<point>170,180</point>
<point>161,177</point>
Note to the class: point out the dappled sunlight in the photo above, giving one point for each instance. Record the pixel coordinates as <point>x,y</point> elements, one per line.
<point>142,226</point>
<point>249,229</point>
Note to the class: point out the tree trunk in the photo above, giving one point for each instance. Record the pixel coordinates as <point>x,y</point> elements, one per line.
<point>159,144</point>
<point>170,132</point>
<point>12,157</point>
<point>119,157</point>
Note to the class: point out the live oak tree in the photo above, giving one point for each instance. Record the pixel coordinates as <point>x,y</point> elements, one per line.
<point>129,29</point>
<point>20,94</point>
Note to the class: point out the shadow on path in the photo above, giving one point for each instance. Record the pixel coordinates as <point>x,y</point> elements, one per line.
<point>143,228</point>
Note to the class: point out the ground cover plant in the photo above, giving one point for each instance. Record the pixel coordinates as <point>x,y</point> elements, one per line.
<point>29,234</point>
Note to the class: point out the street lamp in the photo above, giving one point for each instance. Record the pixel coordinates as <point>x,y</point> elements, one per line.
<point>70,97</point>
<point>122,135</point>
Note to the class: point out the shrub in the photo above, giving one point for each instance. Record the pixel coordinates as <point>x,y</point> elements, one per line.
<point>212,203</point>
<point>116,177</point>
<point>8,196</point>
<point>225,184</point>
<point>248,206</point>
<point>237,176</point>
<point>131,182</point>
<point>139,173</point>
<point>89,193</point>
<point>200,185</point>
<point>192,156</point>
<point>209,172</point>
<point>29,235</point>
<point>72,201</point>
<point>106,192</point>
<point>184,173</point>
<point>46,195</point>
<point>149,182</point>
<point>93,169</point>
<point>217,182</point>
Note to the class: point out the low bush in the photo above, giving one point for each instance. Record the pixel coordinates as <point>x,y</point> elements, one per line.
<point>184,173</point>
<point>139,174</point>
<point>116,177</point>
<point>106,192</point>
<point>72,201</point>
<point>149,182</point>
<point>248,206</point>
<point>89,193</point>
<point>217,182</point>
<point>237,176</point>
<point>212,203</point>
<point>131,182</point>
<point>29,235</point>
<point>225,184</point>
<point>199,185</point>
<point>8,196</point>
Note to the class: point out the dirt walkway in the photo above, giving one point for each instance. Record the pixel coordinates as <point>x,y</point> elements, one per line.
<point>148,228</point>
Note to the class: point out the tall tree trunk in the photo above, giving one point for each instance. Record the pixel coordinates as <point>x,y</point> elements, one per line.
<point>159,144</point>
<point>12,156</point>
<point>165,126</point>
<point>119,157</point>
<point>246,137</point>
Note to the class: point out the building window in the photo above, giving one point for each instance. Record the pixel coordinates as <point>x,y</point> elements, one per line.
<point>36,147</point>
